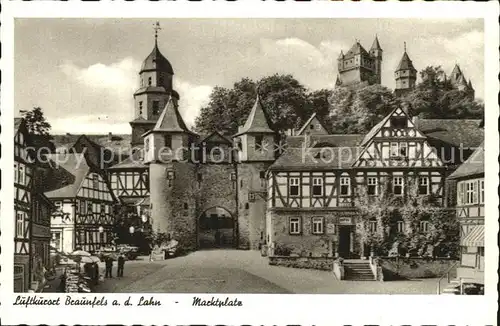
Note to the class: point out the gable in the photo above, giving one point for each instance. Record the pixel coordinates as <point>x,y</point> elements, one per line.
<point>396,142</point>
<point>313,127</point>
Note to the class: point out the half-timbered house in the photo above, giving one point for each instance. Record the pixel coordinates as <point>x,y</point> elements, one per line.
<point>84,216</point>
<point>312,186</point>
<point>469,178</point>
<point>23,206</point>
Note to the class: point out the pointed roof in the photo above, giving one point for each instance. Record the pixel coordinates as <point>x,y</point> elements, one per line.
<point>341,55</point>
<point>257,121</point>
<point>376,44</point>
<point>170,119</point>
<point>308,122</point>
<point>472,166</point>
<point>156,61</point>
<point>338,82</point>
<point>405,63</point>
<point>357,48</point>
<point>456,70</point>
<point>67,175</point>
<point>470,84</point>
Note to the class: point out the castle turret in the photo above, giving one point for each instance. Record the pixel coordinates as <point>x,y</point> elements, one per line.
<point>357,65</point>
<point>405,75</point>
<point>376,53</point>
<point>257,151</point>
<point>155,87</point>
<point>172,182</point>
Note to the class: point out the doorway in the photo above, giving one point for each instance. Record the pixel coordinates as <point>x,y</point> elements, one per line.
<point>344,241</point>
<point>215,229</point>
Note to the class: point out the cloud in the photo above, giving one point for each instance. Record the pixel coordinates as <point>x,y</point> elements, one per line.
<point>104,92</point>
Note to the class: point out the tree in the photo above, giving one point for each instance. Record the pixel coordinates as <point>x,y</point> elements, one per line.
<point>36,121</point>
<point>287,102</point>
<point>435,98</point>
<point>357,108</point>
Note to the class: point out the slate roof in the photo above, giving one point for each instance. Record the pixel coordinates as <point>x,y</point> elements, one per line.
<point>474,165</point>
<point>66,175</point>
<point>170,119</point>
<point>308,122</point>
<point>114,142</point>
<point>257,120</point>
<point>156,61</point>
<point>456,132</point>
<point>335,140</point>
<point>134,161</point>
<point>405,63</point>
<point>376,44</point>
<point>301,159</point>
<point>357,48</point>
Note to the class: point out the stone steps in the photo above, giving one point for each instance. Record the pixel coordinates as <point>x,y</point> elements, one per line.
<point>358,271</point>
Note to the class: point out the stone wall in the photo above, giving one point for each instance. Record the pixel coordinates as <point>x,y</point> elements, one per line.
<point>320,263</point>
<point>305,244</point>
<point>251,213</point>
<point>407,268</point>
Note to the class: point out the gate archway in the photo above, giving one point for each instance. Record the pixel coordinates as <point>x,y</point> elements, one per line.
<point>216,229</point>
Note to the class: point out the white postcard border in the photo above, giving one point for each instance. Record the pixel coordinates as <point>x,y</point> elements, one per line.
<point>261,309</point>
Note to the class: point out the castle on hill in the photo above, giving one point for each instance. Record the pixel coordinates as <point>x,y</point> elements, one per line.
<point>359,65</point>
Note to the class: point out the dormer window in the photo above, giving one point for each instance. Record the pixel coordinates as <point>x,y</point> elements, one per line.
<point>399,122</point>
<point>168,141</point>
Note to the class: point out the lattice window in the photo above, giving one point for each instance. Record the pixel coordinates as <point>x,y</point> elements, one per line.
<point>293,189</point>
<point>423,185</point>
<point>295,226</point>
<point>345,186</point>
<point>317,187</point>
<point>372,183</point>
<point>397,186</point>
<point>318,225</point>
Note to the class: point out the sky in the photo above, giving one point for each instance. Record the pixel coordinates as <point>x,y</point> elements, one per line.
<point>83,72</point>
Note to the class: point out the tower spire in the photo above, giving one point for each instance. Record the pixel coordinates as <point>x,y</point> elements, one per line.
<point>405,46</point>
<point>156,29</point>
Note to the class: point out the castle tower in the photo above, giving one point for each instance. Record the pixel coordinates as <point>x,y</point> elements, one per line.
<point>256,142</point>
<point>357,65</point>
<point>405,75</point>
<point>459,82</point>
<point>376,53</point>
<point>155,87</point>
<point>172,181</point>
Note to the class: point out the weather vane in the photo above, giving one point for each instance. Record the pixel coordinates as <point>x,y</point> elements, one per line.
<point>156,28</point>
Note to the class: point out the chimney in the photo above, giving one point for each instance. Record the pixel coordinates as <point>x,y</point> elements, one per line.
<point>110,136</point>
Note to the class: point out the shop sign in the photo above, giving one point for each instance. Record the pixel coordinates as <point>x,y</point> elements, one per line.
<point>345,220</point>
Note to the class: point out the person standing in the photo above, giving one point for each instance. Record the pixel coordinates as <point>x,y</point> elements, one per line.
<point>121,264</point>
<point>109,267</point>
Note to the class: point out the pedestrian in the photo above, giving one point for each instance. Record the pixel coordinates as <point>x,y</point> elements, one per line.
<point>109,267</point>
<point>121,264</point>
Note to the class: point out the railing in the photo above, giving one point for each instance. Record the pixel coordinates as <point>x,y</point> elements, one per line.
<point>447,274</point>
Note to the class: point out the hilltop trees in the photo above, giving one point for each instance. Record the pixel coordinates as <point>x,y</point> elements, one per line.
<point>36,122</point>
<point>288,103</point>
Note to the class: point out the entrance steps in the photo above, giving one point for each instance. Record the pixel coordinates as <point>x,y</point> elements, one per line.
<point>358,270</point>
<point>452,288</point>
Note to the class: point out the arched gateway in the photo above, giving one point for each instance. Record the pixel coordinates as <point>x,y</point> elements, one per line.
<point>216,229</point>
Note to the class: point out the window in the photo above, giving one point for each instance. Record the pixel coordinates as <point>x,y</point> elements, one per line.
<point>103,208</point>
<point>424,226</point>
<point>156,107</point>
<point>481,189</point>
<point>403,149</point>
<point>150,81</point>
<point>317,188</point>
<point>258,142</point>
<point>294,187</point>
<point>372,186</point>
<point>20,225</point>
<point>95,181</point>
<point>168,141</point>
<point>311,127</point>
<point>345,186</point>
<point>423,185</point>
<point>397,186</point>
<point>318,127</point>
<point>21,174</point>
<point>262,174</point>
<point>58,205</point>
<point>394,149</point>
<point>469,192</point>
<point>399,122</point>
<point>263,181</point>
<point>400,226</point>
<point>295,225</point>
<point>16,172</point>
<point>317,225</point>
<point>140,107</point>
<point>89,207</point>
<point>373,226</point>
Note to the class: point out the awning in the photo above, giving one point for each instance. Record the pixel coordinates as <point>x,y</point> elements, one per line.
<point>475,238</point>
